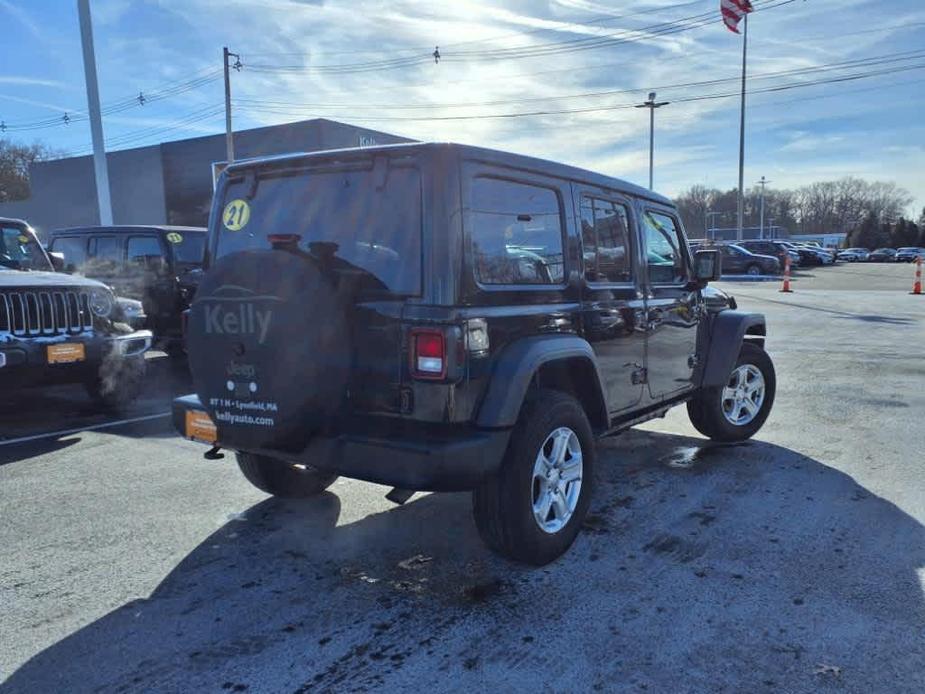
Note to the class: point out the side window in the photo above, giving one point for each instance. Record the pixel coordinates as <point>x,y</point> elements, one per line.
<point>105,254</point>
<point>605,241</point>
<point>516,233</point>
<point>74,249</point>
<point>664,254</point>
<point>141,249</point>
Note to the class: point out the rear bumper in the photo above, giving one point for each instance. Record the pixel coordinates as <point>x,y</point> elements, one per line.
<point>456,461</point>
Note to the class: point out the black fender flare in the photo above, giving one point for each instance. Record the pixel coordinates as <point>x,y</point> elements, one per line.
<point>519,362</point>
<point>727,331</point>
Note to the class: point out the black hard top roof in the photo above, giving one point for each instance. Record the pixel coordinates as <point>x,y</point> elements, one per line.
<point>13,220</point>
<point>126,229</point>
<point>492,156</point>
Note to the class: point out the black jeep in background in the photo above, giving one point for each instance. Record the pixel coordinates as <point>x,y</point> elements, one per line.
<point>60,329</point>
<point>158,265</point>
<point>442,317</point>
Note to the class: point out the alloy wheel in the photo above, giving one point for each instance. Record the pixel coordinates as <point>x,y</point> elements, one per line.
<point>556,482</point>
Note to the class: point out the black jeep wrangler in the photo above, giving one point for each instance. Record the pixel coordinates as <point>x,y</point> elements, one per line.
<point>60,329</point>
<point>160,266</point>
<point>442,317</point>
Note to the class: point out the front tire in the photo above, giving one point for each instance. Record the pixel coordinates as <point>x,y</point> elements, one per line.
<point>283,479</point>
<point>753,270</point>
<point>737,410</point>
<point>532,509</point>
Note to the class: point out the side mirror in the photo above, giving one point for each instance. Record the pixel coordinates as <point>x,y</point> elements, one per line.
<point>708,266</point>
<point>57,260</point>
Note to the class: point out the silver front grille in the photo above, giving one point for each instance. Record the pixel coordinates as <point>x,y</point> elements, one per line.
<point>45,312</point>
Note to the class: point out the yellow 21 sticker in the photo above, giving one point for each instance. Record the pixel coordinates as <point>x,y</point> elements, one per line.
<point>174,237</point>
<point>236,215</point>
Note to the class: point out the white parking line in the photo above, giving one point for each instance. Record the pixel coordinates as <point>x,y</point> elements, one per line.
<point>92,427</point>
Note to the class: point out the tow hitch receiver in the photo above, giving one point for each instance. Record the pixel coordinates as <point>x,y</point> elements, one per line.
<point>399,496</point>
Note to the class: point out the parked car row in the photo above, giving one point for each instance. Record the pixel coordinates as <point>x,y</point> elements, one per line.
<point>907,254</point>
<point>87,307</point>
<point>767,256</point>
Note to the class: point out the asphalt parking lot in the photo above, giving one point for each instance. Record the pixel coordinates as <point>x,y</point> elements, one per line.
<point>795,562</point>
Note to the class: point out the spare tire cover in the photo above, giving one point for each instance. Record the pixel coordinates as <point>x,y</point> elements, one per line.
<point>268,347</point>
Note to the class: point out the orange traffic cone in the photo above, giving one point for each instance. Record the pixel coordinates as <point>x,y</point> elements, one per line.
<point>786,288</point>
<point>917,285</point>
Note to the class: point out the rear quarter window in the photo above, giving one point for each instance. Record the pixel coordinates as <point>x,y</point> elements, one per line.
<point>515,232</point>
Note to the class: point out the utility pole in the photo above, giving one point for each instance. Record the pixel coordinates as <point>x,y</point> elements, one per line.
<point>93,109</point>
<point>741,221</point>
<point>763,182</point>
<point>651,104</point>
<point>229,136</point>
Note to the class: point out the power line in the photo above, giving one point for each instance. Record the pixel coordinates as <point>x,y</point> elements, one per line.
<point>203,115</point>
<point>600,19</point>
<point>168,90</point>
<point>826,67</point>
<point>596,109</point>
<point>555,48</point>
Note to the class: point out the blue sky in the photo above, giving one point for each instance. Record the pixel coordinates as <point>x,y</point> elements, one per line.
<point>871,127</point>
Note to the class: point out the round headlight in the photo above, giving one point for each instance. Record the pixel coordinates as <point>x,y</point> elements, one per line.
<point>101,302</point>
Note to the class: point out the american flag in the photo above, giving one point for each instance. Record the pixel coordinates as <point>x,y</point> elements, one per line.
<point>733,11</point>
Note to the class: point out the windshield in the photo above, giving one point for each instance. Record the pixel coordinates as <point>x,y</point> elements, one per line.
<point>20,251</point>
<point>368,219</point>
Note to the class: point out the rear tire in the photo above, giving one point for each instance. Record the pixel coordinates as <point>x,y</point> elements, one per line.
<point>712,411</point>
<point>508,506</point>
<point>279,478</point>
<point>753,270</point>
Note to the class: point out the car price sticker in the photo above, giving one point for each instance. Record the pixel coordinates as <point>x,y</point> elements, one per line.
<point>174,237</point>
<point>236,215</point>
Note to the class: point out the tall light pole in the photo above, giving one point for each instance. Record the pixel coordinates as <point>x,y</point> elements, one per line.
<point>93,109</point>
<point>763,182</point>
<point>741,201</point>
<point>651,104</point>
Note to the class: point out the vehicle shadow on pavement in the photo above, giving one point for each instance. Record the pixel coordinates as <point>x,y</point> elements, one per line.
<point>701,568</point>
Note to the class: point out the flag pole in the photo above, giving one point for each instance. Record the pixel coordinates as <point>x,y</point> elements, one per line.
<point>741,200</point>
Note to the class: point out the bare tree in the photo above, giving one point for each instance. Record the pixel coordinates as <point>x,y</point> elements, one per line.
<point>15,162</point>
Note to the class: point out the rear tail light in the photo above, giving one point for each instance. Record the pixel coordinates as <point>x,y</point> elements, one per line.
<point>428,353</point>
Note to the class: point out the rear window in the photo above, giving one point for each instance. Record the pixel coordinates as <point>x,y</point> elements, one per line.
<point>370,220</point>
<point>188,249</point>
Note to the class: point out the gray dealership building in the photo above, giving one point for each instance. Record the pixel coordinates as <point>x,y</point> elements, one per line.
<point>169,183</point>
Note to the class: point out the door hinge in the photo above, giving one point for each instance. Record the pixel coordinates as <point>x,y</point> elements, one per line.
<point>640,376</point>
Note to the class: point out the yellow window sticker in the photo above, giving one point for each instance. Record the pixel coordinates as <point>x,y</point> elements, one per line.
<point>24,239</point>
<point>174,237</point>
<point>236,215</point>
